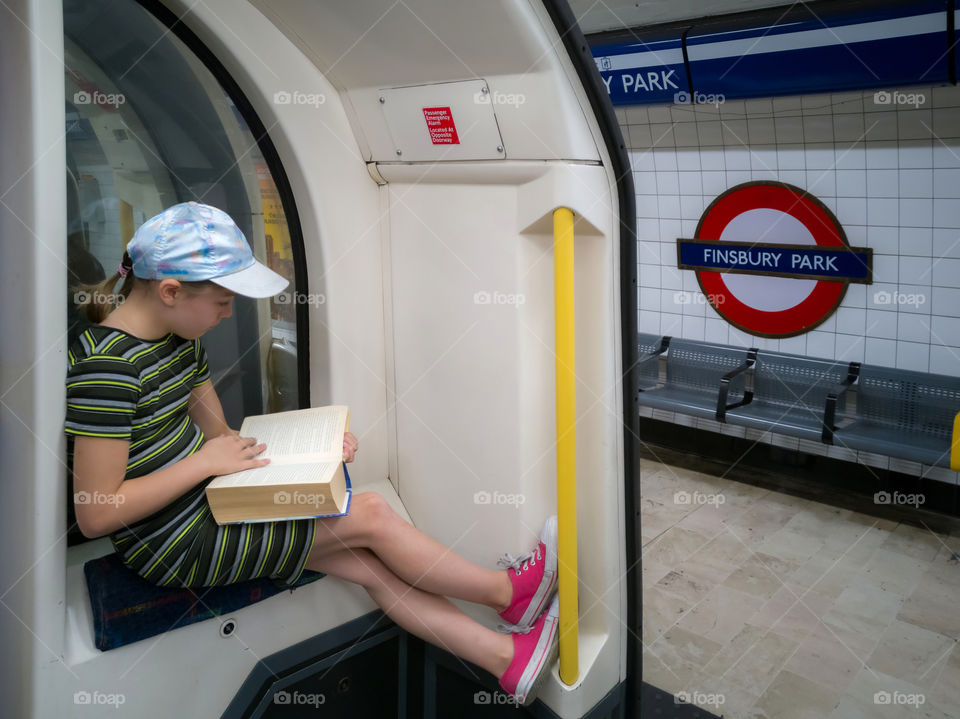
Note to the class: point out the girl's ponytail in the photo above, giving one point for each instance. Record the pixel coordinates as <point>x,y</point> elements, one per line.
<point>98,300</point>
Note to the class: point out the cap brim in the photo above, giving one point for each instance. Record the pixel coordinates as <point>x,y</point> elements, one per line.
<point>257,280</point>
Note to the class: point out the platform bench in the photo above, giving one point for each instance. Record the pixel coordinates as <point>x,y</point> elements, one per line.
<point>903,413</point>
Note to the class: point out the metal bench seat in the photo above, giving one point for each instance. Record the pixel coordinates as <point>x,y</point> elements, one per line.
<point>689,376</point>
<point>790,394</point>
<point>903,413</point>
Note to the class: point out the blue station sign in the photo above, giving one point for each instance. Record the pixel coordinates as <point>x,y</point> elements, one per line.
<point>846,264</point>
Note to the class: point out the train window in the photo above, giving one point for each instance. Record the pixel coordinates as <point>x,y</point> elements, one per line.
<point>147,126</point>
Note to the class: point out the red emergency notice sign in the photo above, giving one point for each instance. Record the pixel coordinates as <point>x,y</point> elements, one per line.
<point>441,127</point>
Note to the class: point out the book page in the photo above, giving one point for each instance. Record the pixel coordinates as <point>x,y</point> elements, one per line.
<point>277,474</point>
<point>292,436</point>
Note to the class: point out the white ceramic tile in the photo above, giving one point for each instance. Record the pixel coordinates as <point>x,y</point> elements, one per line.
<point>712,158</point>
<point>946,124</point>
<point>915,183</point>
<point>883,240</point>
<point>914,270</point>
<point>659,113</point>
<point>709,133</point>
<point>880,126</point>
<point>917,212</point>
<point>664,160</point>
<point>915,154</point>
<point>668,183</point>
<point>882,212</point>
<point>881,352</point>
<point>913,356</point>
<point>882,324</point>
<point>883,183</point>
<point>688,160</point>
<point>882,155</point>
<point>914,124</point>
<point>853,210</point>
<point>821,344</point>
<point>946,273</point>
<point>694,328</point>
<point>851,320</point>
<point>916,242</point>
<point>945,359</point>
<point>850,348</point>
<point>736,158</point>
<point>671,324</point>
<point>946,302</point>
<point>911,329</point>
<point>640,137</point>
<point>851,183</point>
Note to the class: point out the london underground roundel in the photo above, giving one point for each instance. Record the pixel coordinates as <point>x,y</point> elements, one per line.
<point>772,259</point>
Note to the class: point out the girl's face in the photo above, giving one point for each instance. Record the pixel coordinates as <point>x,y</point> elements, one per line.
<point>198,311</point>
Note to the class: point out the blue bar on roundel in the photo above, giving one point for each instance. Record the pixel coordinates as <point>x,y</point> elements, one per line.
<point>850,264</point>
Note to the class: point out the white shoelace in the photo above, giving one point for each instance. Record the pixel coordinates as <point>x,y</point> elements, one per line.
<point>521,563</point>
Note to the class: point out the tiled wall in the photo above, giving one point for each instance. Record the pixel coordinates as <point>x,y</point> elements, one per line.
<point>889,171</point>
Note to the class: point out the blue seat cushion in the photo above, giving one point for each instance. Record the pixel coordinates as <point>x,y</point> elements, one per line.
<point>128,608</point>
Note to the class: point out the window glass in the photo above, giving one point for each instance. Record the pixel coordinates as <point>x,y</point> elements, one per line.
<point>148,126</point>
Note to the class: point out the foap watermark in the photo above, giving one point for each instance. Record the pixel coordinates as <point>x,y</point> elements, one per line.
<point>296,698</point>
<point>698,498</point>
<point>286,97</point>
<point>698,98</point>
<point>498,697</point>
<point>83,297</point>
<point>297,497</point>
<point>98,698</point>
<point>314,299</point>
<point>699,698</point>
<point>895,97</point>
<point>97,497</point>
<point>899,499</point>
<point>484,497</point>
<point>498,298</point>
<point>910,299</point>
<point>95,97</point>
<point>899,698</point>
<point>485,97</point>
<point>697,298</point>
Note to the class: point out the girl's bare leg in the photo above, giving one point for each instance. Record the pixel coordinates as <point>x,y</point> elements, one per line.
<point>428,616</point>
<point>416,558</point>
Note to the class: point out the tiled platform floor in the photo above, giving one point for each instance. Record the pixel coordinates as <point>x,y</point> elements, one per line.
<point>786,608</point>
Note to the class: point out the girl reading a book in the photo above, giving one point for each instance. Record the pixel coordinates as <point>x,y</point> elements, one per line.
<point>147,432</point>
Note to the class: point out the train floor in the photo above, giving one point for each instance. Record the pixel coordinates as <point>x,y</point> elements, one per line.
<point>758,603</point>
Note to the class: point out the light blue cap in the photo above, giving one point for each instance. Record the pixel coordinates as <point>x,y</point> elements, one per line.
<point>193,242</point>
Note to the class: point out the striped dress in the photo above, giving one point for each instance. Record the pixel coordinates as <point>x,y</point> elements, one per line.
<point>122,387</point>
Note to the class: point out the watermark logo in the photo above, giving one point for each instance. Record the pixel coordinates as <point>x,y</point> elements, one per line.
<point>98,698</point>
<point>298,497</point>
<point>95,97</point>
<point>697,298</point>
<point>899,499</point>
<point>895,97</point>
<point>299,698</point>
<point>912,299</point>
<point>699,698</point>
<point>484,497</point>
<point>698,98</point>
<point>83,298</point>
<point>498,697</point>
<point>97,497</point>
<point>698,498</point>
<point>498,298</point>
<point>300,298</point>
<point>485,97</point>
<point>899,698</point>
<point>285,97</point>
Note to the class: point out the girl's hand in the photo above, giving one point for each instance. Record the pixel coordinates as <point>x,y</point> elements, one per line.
<point>232,453</point>
<point>351,445</point>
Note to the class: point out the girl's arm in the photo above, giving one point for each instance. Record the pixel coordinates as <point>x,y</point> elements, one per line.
<point>104,502</point>
<point>206,411</point>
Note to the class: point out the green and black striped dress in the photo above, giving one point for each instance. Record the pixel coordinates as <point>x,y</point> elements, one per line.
<point>122,387</point>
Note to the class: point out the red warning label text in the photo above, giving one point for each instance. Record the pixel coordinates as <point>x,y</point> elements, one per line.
<point>441,127</point>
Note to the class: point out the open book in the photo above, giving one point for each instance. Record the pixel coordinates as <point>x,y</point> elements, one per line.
<point>305,478</point>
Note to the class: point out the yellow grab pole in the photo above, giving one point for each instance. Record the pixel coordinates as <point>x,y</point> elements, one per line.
<point>955,445</point>
<point>566,443</point>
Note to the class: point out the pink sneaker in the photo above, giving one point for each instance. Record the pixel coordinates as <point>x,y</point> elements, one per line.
<point>534,580</point>
<point>533,654</point>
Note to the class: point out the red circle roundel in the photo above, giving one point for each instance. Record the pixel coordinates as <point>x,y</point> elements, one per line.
<point>770,212</point>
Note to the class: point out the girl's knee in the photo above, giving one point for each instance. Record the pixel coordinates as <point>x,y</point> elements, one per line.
<point>372,511</point>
